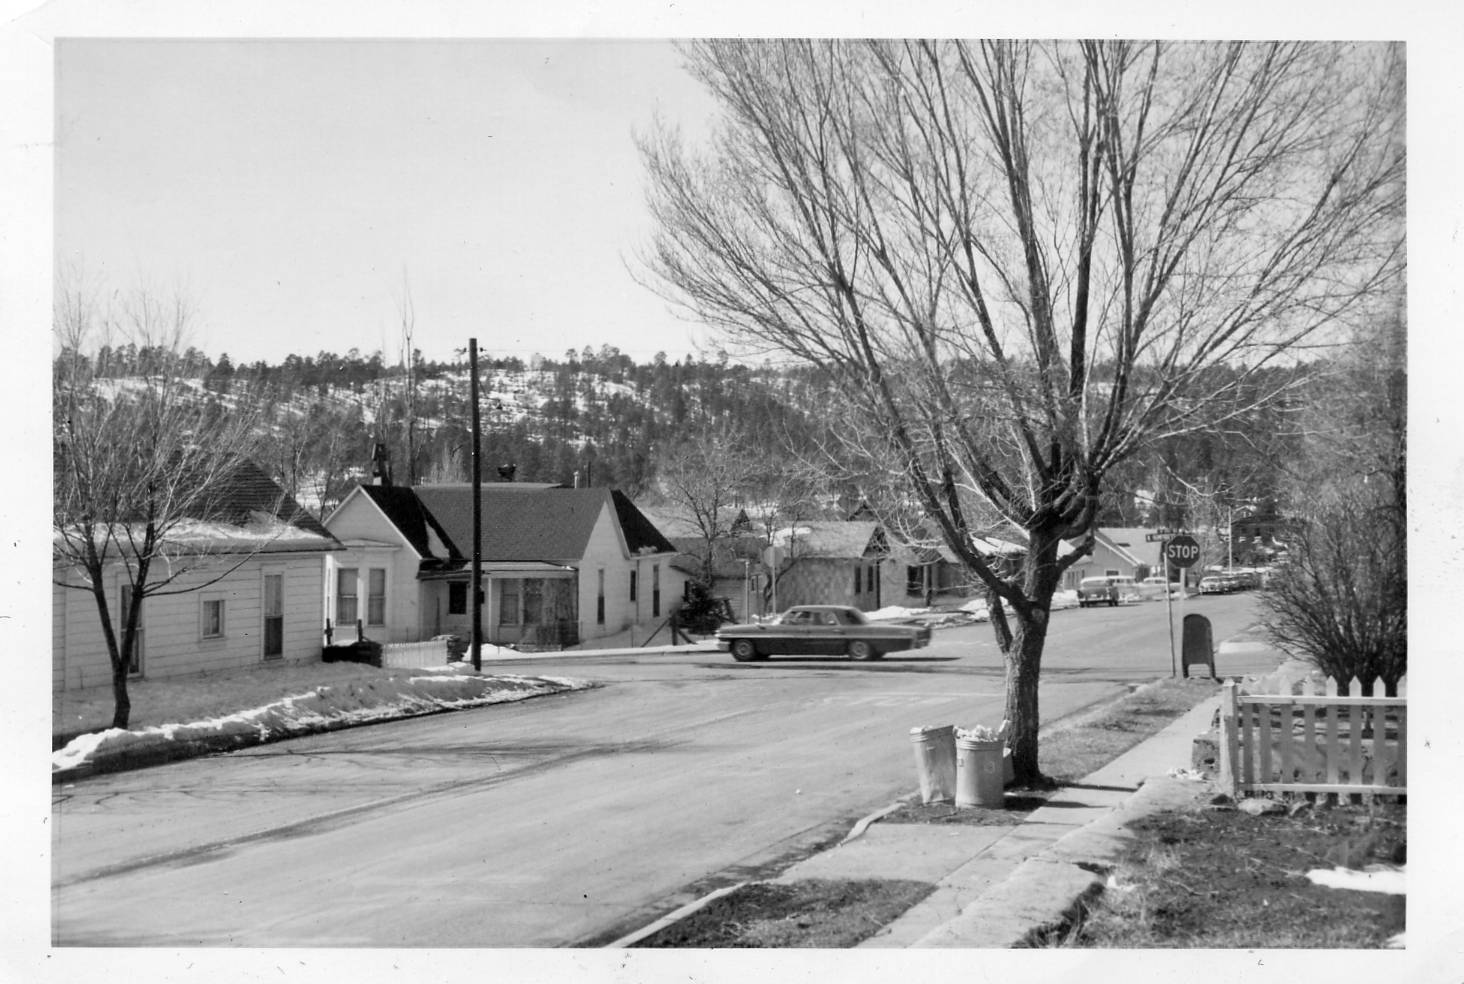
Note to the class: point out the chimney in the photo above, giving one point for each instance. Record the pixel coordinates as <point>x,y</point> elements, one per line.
<point>380,466</point>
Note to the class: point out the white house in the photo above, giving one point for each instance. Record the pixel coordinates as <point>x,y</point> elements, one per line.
<point>258,566</point>
<point>559,565</point>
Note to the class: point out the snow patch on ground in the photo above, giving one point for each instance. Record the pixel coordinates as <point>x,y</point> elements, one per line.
<point>357,702</point>
<point>1374,878</point>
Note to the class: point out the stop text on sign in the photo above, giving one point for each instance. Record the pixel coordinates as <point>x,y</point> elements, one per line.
<point>1182,550</point>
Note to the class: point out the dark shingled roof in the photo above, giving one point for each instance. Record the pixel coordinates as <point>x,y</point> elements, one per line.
<point>408,515</point>
<point>248,490</point>
<point>521,521</point>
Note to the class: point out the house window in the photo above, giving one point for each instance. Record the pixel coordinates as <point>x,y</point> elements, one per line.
<point>213,618</point>
<point>858,585</point>
<point>508,602</point>
<point>274,616</point>
<point>634,583</point>
<point>600,600</point>
<point>656,591</point>
<point>457,598</point>
<point>914,581</point>
<point>346,609</point>
<point>376,596</point>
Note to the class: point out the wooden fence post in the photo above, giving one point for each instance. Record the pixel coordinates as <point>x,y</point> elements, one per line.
<point>1229,738</point>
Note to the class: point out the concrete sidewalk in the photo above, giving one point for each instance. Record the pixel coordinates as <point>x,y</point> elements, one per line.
<point>999,886</point>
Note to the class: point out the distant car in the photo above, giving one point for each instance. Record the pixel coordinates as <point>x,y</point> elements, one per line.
<point>820,630</point>
<point>1213,584</point>
<point>1153,587</point>
<point>1110,589</point>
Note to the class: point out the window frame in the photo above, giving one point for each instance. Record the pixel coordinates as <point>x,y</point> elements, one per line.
<point>373,600</point>
<point>355,596</point>
<point>207,631</point>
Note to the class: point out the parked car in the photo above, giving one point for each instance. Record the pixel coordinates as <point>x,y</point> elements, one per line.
<point>825,630</point>
<point>1153,587</point>
<point>1110,589</point>
<point>1213,584</point>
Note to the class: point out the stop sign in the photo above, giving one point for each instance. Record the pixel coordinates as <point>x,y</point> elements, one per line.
<point>1182,550</point>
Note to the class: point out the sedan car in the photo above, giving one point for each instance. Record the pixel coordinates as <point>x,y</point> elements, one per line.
<point>824,630</point>
<point>1110,589</point>
<point>1154,587</point>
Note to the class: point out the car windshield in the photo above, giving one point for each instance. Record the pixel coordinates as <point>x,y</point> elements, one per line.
<point>825,616</point>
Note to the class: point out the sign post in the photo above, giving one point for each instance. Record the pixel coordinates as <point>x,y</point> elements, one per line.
<point>773,556</point>
<point>1181,550</point>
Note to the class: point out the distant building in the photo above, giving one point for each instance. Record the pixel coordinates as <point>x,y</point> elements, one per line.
<point>259,562</point>
<point>559,565</point>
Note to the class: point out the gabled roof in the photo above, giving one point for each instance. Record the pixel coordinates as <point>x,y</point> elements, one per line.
<point>520,521</point>
<point>641,535</point>
<point>243,511</point>
<point>1131,543</point>
<point>412,520</point>
<point>835,539</point>
<point>248,492</point>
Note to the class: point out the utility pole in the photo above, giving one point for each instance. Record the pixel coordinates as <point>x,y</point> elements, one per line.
<point>476,584</point>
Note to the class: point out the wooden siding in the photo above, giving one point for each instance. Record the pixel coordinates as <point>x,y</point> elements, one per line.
<point>172,624</point>
<point>408,619</point>
<point>822,581</point>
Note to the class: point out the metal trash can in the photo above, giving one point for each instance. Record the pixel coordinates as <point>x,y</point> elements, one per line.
<point>980,772</point>
<point>935,760</point>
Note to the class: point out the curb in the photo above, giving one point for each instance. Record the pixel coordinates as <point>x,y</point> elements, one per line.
<point>671,918</point>
<point>675,916</point>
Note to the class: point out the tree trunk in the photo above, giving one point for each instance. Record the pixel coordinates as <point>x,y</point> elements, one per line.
<point>1023,668</point>
<point>122,709</point>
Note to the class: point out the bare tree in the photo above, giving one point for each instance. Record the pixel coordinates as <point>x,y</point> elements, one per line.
<point>1022,261</point>
<point>407,311</point>
<point>138,462</point>
<point>1341,600</point>
<point>706,479</point>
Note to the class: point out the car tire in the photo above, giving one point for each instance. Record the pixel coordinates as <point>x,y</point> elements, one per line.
<point>861,650</point>
<point>743,650</point>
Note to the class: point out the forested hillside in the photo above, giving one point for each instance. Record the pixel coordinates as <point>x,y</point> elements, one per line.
<point>601,418</point>
<point>596,418</point>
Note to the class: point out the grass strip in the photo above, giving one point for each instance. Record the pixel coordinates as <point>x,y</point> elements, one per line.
<point>815,912</point>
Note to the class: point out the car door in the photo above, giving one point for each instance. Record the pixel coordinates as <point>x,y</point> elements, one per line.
<point>829,637</point>
<point>792,633</point>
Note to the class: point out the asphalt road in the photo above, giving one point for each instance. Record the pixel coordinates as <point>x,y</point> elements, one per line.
<point>557,821</point>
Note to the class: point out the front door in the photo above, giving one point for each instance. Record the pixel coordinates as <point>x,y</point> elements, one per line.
<point>274,616</point>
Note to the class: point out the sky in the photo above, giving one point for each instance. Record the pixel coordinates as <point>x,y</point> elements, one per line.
<point>299,191</point>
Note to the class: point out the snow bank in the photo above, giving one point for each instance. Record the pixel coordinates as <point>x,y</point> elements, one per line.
<point>324,708</point>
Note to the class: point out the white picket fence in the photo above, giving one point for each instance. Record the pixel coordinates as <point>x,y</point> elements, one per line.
<point>414,655</point>
<point>1303,738</point>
